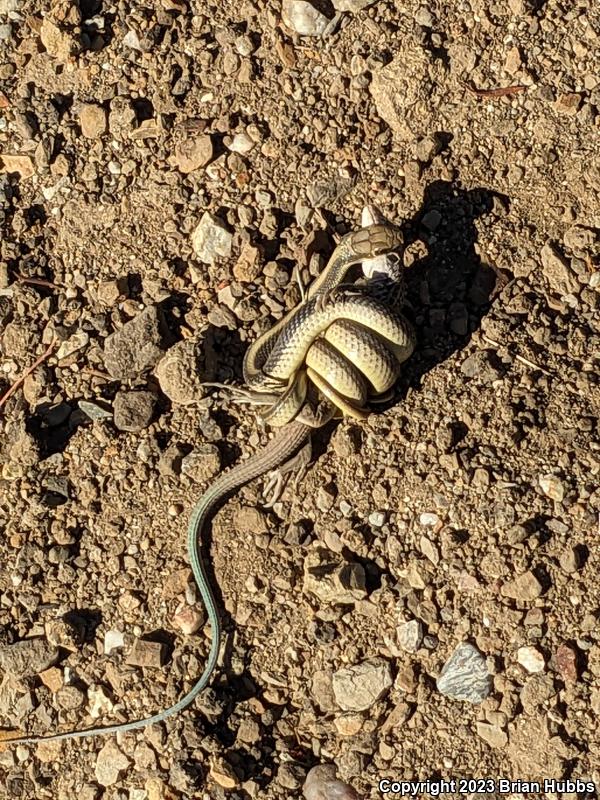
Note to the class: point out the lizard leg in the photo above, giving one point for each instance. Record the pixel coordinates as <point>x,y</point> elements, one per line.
<point>300,282</point>
<point>276,480</point>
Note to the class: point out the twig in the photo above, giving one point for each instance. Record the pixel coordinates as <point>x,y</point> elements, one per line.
<point>47,352</point>
<point>96,373</point>
<point>501,91</point>
<point>522,359</point>
<point>36,281</point>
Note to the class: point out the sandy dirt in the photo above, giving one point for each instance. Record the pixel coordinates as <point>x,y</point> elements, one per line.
<point>468,507</point>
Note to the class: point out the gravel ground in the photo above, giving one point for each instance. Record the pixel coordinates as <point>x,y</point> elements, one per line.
<point>160,165</point>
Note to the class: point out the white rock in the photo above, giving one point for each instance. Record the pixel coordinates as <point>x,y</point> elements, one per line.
<point>531,659</point>
<point>552,487</point>
<point>429,519</point>
<point>99,702</point>
<point>188,619</point>
<point>359,687</point>
<point>410,635</point>
<point>111,762</point>
<point>113,640</point>
<point>131,39</point>
<point>211,239</point>
<point>71,345</point>
<point>241,143</point>
<point>303,18</point>
<point>376,519</point>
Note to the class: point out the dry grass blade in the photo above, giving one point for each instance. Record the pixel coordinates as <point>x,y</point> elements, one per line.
<point>500,91</point>
<point>9,392</point>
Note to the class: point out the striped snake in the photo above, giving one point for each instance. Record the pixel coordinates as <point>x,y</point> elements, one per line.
<point>344,340</point>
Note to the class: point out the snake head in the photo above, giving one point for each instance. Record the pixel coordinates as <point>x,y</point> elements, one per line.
<point>376,240</point>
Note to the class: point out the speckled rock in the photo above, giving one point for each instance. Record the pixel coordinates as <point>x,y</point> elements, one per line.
<point>303,18</point>
<point>557,270</point>
<point>192,154</point>
<point>410,635</point>
<point>465,676</point>
<point>211,240</point>
<point>135,347</point>
<point>27,657</point>
<point>111,763</point>
<point>93,120</point>
<point>180,372</point>
<point>523,587</point>
<point>203,463</point>
<point>332,579</point>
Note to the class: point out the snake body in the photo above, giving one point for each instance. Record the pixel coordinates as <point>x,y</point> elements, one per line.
<point>343,339</point>
<point>313,343</point>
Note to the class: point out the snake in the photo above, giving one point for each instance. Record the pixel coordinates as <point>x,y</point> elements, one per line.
<point>341,338</point>
<point>356,323</point>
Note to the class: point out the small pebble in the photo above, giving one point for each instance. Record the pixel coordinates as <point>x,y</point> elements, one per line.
<point>429,519</point>
<point>552,487</point>
<point>345,508</point>
<point>133,411</point>
<point>303,18</point>
<point>524,587</point>
<point>100,703</point>
<point>193,154</point>
<point>147,654</point>
<point>565,660</point>
<point>360,686</point>
<point>223,774</point>
<point>211,240</point>
<point>241,143</point>
<point>531,659</point>
<point>188,619</point>
<point>410,635</point>
<point>322,784</point>
<point>113,640</point>
<point>111,763</point>
<point>376,519</point>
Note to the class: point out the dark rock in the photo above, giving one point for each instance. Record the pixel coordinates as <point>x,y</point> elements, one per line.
<point>133,411</point>
<point>135,347</point>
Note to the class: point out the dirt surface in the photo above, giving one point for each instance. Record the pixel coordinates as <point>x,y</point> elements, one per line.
<point>468,507</point>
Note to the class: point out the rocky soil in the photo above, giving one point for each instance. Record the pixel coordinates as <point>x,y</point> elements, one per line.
<point>426,602</point>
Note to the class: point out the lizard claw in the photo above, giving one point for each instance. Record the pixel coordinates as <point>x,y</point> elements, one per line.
<point>276,480</point>
<point>332,296</point>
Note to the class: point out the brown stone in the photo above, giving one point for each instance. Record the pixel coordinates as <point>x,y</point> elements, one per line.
<point>52,678</point>
<point>147,654</point>
<point>21,164</point>
<point>565,660</point>
<point>192,154</point>
<point>568,103</point>
<point>524,587</point>
<point>93,120</point>
<point>248,267</point>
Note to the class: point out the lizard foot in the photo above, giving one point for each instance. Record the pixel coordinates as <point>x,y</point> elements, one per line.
<point>276,480</point>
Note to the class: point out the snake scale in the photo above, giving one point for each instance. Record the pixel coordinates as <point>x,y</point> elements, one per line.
<point>331,342</point>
